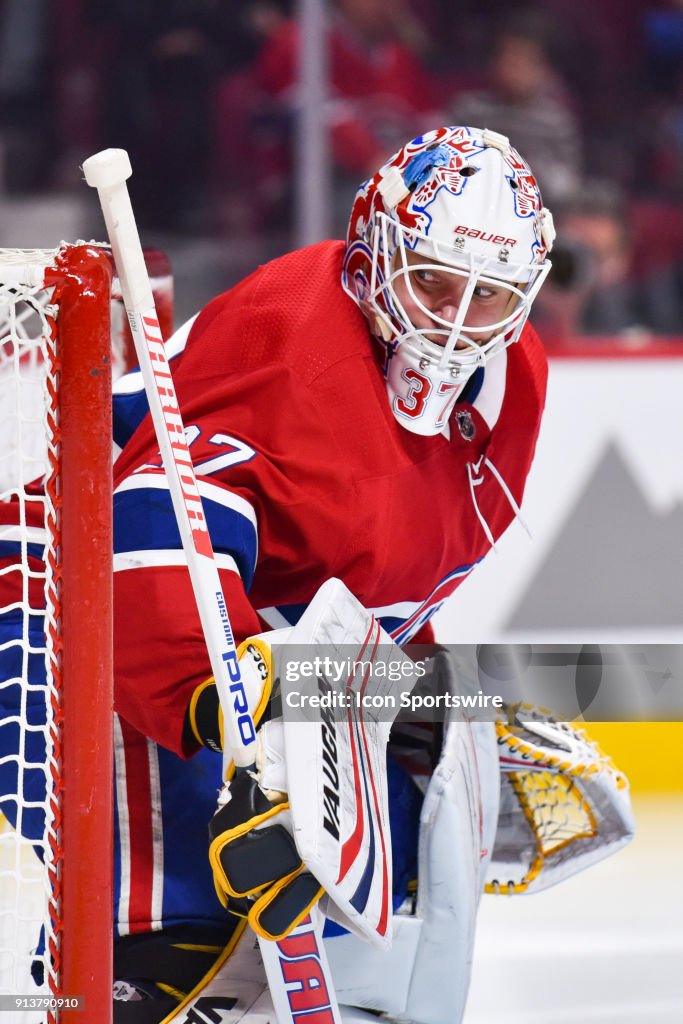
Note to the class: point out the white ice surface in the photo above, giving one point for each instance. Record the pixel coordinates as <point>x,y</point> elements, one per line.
<point>601,948</point>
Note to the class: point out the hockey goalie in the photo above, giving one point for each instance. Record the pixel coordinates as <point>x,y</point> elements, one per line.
<point>362,417</point>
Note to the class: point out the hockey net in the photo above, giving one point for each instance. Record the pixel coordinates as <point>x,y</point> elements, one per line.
<point>59,314</point>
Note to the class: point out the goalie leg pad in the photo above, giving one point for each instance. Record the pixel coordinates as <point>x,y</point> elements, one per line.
<point>456,836</point>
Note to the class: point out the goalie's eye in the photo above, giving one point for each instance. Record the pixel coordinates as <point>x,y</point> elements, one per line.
<point>428,278</point>
<point>483,291</point>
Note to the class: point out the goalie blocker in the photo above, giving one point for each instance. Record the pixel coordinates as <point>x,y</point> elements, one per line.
<point>303,822</point>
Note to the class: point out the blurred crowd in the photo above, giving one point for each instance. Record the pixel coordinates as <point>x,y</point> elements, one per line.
<point>203,94</point>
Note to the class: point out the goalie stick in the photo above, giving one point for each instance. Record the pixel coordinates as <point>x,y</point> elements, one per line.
<point>107,171</point>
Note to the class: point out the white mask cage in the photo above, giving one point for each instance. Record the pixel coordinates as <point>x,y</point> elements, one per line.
<point>449,346</point>
<point>428,367</point>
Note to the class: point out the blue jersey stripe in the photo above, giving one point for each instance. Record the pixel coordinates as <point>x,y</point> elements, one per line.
<point>129,404</point>
<point>13,549</point>
<point>128,412</point>
<point>472,388</point>
<point>144,521</point>
<point>401,628</point>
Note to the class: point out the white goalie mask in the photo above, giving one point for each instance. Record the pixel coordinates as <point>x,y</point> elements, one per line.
<point>446,250</point>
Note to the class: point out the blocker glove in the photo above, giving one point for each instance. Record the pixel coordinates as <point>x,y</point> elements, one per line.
<point>257,870</point>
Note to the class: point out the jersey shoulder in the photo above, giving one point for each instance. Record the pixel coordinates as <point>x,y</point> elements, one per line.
<point>292,311</point>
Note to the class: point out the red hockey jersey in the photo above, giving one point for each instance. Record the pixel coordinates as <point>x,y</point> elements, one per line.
<point>305,474</point>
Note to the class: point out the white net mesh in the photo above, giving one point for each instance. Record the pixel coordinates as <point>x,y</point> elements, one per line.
<point>29,812</point>
<point>25,320</point>
<point>60,324</point>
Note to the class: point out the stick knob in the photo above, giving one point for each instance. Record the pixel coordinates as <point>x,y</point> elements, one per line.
<point>107,168</point>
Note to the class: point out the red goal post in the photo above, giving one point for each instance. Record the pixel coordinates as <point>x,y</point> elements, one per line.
<point>57,310</point>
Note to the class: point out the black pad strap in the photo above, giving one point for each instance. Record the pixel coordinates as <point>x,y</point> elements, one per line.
<point>277,915</point>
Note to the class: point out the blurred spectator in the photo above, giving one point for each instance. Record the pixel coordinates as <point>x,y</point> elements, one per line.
<point>379,94</point>
<point>527,101</point>
<point>203,94</point>
<point>603,282</point>
<point>165,57</point>
<point>663,32</point>
<point>26,135</point>
<point>661,144</point>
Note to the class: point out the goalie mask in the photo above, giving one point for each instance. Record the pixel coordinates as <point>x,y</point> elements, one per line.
<point>446,251</point>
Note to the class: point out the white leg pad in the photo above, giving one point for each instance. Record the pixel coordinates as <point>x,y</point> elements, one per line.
<point>424,977</point>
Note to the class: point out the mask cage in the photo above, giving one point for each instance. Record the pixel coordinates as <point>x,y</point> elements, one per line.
<point>391,238</point>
